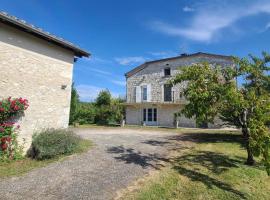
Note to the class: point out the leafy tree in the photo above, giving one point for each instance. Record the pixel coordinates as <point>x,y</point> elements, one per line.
<point>104,98</point>
<point>73,104</point>
<point>212,91</point>
<point>85,113</point>
<point>118,109</point>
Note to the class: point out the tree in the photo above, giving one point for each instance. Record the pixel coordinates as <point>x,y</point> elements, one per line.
<point>118,109</point>
<point>104,98</point>
<point>73,104</point>
<point>103,107</point>
<point>212,91</point>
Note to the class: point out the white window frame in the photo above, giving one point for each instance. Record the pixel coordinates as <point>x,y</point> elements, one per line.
<point>146,111</point>
<point>144,88</point>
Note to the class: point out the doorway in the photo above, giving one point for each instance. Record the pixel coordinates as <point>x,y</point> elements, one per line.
<point>150,116</point>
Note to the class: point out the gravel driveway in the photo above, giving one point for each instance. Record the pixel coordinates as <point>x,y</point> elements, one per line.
<point>120,156</point>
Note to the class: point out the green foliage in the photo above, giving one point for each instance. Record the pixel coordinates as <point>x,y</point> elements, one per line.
<point>203,91</point>
<point>73,104</point>
<point>108,110</point>
<point>104,98</point>
<point>85,113</point>
<point>53,142</point>
<point>105,110</point>
<point>212,91</point>
<point>10,110</point>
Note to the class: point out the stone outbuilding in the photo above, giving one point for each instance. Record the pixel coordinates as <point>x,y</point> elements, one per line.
<point>38,66</point>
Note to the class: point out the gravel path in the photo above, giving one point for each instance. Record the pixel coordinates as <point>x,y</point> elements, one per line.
<point>119,157</point>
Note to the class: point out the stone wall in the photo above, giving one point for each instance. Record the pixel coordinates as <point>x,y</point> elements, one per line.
<point>165,115</point>
<point>154,74</point>
<point>40,72</point>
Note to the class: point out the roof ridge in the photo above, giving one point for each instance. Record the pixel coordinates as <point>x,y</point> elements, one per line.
<point>142,66</point>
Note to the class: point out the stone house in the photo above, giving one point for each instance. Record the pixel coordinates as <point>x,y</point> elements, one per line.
<point>38,66</point>
<point>151,101</point>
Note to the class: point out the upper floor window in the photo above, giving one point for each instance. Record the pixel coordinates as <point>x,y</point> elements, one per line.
<point>167,71</point>
<point>144,93</point>
<point>167,92</point>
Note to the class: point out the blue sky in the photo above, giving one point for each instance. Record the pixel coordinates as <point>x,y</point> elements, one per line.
<point>121,34</point>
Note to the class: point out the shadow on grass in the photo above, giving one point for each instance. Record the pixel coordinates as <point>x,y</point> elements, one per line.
<point>208,181</point>
<point>214,162</point>
<point>190,164</point>
<point>131,156</point>
<point>209,138</point>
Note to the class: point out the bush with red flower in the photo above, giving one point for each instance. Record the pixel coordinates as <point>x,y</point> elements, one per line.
<point>10,109</point>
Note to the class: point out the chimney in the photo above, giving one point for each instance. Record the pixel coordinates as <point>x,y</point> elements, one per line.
<point>184,54</point>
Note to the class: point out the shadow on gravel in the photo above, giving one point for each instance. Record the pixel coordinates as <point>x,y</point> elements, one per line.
<point>131,156</point>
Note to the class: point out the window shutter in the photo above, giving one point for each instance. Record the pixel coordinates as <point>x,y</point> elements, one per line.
<point>138,94</point>
<point>149,93</point>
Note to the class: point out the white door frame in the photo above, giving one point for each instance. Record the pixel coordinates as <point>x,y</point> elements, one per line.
<point>152,122</point>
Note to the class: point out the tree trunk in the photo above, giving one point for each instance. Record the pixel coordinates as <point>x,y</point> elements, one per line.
<point>250,158</point>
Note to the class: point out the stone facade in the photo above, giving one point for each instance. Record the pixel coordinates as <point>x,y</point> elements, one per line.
<point>40,72</point>
<point>152,76</point>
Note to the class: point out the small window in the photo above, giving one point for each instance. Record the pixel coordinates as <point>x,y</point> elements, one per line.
<point>167,71</point>
<point>144,93</point>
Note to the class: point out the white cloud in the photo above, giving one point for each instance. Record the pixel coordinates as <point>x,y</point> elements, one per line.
<point>90,92</point>
<point>130,60</point>
<point>95,59</point>
<point>267,26</point>
<point>121,83</point>
<point>210,19</point>
<point>188,9</point>
<point>100,71</point>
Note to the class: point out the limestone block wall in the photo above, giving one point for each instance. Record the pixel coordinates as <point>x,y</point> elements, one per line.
<point>154,74</point>
<point>165,116</point>
<point>40,72</point>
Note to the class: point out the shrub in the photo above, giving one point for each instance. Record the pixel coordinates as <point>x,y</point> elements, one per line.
<point>85,113</point>
<point>53,142</point>
<point>10,109</point>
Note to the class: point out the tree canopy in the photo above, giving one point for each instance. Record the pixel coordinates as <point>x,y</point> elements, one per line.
<point>212,92</point>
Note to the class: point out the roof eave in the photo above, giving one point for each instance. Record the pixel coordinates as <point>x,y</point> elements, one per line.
<point>26,28</point>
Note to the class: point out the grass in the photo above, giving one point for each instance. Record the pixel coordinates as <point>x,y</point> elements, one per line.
<point>20,167</point>
<point>212,169</point>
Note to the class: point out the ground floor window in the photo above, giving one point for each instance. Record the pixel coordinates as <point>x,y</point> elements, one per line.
<point>149,114</point>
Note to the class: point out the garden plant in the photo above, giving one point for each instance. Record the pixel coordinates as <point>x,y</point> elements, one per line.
<point>10,110</point>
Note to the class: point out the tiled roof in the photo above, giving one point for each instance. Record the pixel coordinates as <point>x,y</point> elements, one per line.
<point>38,32</point>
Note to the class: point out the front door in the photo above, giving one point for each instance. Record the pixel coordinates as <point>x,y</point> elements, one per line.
<point>150,116</point>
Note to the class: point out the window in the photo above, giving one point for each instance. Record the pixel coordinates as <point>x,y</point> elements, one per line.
<point>155,115</point>
<point>167,92</point>
<point>150,115</point>
<point>144,93</point>
<point>144,115</point>
<point>167,71</point>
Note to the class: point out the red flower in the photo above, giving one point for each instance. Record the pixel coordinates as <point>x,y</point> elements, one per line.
<point>4,146</point>
<point>3,139</point>
<point>8,139</point>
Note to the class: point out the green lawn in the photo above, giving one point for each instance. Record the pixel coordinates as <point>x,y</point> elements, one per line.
<point>212,169</point>
<point>20,167</point>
